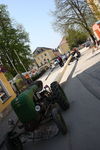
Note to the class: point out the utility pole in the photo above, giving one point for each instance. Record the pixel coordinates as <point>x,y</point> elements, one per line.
<point>20,61</point>
<point>15,68</point>
<point>12,63</point>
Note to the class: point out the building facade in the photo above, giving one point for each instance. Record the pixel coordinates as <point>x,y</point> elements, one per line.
<point>43,56</point>
<point>63,46</point>
<point>6,92</point>
<point>96,30</point>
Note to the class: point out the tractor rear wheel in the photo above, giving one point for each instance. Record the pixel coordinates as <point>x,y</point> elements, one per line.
<point>58,119</point>
<point>59,95</point>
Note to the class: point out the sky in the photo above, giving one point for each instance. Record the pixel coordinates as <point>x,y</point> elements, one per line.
<point>35,16</point>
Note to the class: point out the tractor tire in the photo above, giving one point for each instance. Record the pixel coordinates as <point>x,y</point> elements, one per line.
<point>58,119</point>
<point>13,143</point>
<point>59,95</point>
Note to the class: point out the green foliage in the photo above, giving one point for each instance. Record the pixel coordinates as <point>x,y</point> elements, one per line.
<point>20,84</point>
<point>13,38</point>
<point>75,37</point>
<point>8,75</point>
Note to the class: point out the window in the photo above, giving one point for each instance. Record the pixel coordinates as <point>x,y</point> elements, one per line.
<point>4,95</point>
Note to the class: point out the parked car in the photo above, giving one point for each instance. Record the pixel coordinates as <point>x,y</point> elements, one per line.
<point>64,57</point>
<point>88,44</point>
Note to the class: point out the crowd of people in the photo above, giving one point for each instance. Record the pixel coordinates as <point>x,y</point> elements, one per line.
<point>74,52</point>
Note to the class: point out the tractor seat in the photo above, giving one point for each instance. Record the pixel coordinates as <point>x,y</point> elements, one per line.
<point>39,85</point>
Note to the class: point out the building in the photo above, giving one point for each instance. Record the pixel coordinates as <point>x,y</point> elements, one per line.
<point>63,46</point>
<point>43,56</point>
<point>95,7</point>
<point>96,30</point>
<point>6,93</point>
<point>56,52</point>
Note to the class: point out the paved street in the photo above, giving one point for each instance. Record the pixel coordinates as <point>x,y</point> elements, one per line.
<point>51,75</point>
<point>81,83</point>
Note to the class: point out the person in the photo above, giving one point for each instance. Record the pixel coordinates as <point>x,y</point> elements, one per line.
<point>98,43</point>
<point>68,54</point>
<point>76,51</point>
<point>28,79</point>
<point>93,46</point>
<point>73,52</point>
<point>60,61</point>
<point>65,57</point>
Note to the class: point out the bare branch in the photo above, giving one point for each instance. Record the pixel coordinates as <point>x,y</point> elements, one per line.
<point>73,13</point>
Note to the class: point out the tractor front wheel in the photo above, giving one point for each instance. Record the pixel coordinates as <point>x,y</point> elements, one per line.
<point>58,119</point>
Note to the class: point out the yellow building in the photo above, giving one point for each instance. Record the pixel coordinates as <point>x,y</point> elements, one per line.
<point>95,7</point>
<point>43,56</point>
<point>6,92</point>
<point>63,46</point>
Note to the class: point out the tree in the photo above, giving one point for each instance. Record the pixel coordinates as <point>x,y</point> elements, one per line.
<point>95,8</point>
<point>13,39</point>
<point>75,38</point>
<point>73,13</point>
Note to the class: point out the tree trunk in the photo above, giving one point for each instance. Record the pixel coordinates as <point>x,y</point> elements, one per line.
<point>93,39</point>
<point>91,35</point>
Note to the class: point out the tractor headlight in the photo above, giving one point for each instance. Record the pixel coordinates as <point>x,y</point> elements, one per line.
<point>37,108</point>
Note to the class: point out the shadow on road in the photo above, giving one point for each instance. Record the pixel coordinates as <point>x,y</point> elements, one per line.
<point>70,76</point>
<point>83,117</point>
<point>90,79</point>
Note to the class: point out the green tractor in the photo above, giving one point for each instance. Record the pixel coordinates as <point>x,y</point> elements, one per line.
<point>34,108</point>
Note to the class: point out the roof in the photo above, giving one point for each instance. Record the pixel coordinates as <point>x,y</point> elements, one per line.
<point>39,50</point>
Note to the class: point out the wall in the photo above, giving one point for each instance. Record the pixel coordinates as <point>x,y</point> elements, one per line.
<point>63,46</point>
<point>44,57</point>
<point>50,54</point>
<point>10,91</point>
<point>96,30</point>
